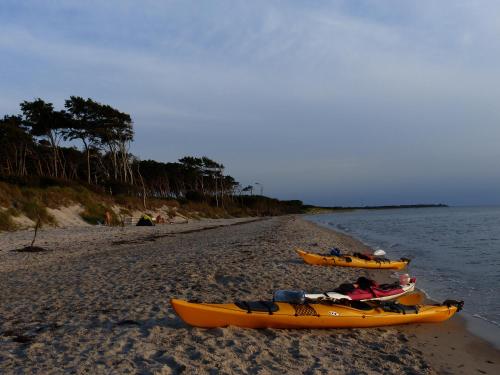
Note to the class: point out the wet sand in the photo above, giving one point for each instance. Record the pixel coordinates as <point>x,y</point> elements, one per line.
<point>97,303</point>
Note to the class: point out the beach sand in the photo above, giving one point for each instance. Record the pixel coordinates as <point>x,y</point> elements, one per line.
<point>97,303</point>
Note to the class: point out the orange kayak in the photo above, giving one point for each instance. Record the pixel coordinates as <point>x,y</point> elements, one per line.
<point>287,315</point>
<point>351,261</point>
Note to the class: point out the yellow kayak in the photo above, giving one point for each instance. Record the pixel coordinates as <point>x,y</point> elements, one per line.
<point>263,314</point>
<point>351,261</point>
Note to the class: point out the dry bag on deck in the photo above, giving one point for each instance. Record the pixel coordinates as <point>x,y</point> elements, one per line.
<point>290,296</point>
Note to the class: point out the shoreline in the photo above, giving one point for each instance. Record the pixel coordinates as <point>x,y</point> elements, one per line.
<point>478,326</point>
<point>462,351</point>
<point>91,305</point>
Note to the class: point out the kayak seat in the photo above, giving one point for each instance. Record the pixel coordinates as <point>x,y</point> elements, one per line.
<point>359,305</point>
<point>257,306</point>
<point>399,308</point>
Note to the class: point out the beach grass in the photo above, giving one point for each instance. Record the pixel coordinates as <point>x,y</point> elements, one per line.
<point>6,222</point>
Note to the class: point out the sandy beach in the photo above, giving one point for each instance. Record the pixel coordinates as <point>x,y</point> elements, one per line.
<point>97,303</point>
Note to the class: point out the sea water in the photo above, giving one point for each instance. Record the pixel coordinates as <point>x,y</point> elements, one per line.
<point>455,253</point>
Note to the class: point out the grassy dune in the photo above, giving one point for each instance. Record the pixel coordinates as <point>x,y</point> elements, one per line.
<point>33,202</point>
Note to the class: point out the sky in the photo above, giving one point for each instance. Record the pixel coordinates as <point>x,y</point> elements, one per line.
<point>331,102</point>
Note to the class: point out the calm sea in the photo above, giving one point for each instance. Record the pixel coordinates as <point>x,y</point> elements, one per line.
<point>455,253</point>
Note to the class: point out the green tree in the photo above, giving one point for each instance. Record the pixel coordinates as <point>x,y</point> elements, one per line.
<point>85,126</point>
<point>15,144</point>
<point>115,131</point>
<point>44,122</point>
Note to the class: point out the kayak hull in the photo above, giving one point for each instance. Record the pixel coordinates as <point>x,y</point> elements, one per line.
<point>326,316</point>
<point>350,261</point>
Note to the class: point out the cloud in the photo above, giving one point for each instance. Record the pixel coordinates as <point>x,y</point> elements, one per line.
<point>301,94</point>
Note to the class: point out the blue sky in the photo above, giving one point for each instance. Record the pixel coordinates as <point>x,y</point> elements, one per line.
<point>332,102</point>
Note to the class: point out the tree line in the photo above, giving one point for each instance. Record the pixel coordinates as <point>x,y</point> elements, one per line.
<point>89,142</point>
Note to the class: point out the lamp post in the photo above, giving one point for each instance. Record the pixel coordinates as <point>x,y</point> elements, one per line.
<point>261,188</point>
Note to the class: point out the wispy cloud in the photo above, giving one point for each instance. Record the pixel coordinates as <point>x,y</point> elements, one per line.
<point>403,90</point>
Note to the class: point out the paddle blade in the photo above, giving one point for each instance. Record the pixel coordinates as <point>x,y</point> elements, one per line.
<point>411,299</point>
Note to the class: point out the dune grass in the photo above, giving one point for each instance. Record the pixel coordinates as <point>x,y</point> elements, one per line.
<point>32,201</point>
<point>6,222</point>
<point>23,201</point>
